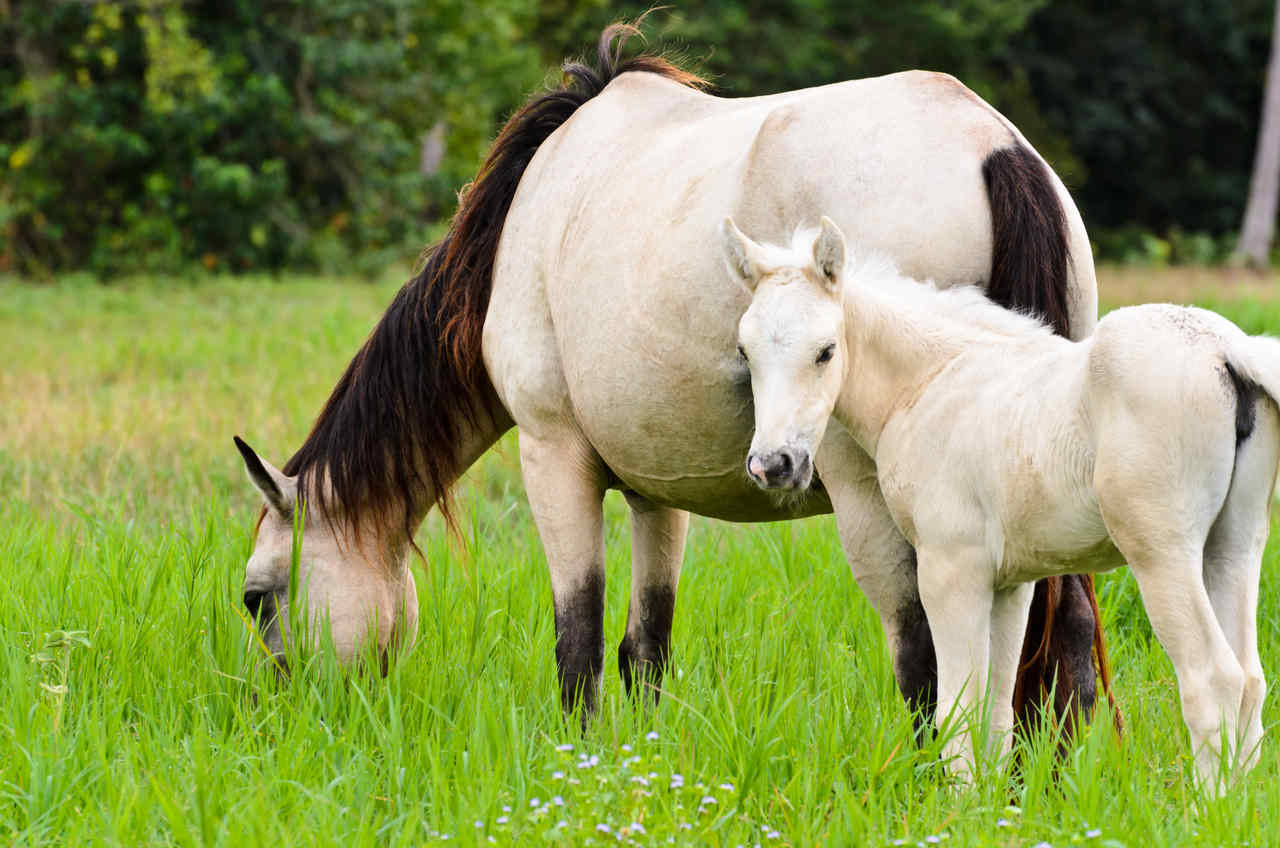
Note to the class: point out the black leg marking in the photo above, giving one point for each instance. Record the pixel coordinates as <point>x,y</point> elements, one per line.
<point>643,659</point>
<point>1077,688</point>
<point>915,665</point>
<point>1058,657</point>
<point>580,646</point>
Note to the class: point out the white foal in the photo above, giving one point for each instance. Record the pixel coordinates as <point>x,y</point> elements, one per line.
<point>1006,453</point>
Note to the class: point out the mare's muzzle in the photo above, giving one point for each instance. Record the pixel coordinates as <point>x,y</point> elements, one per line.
<point>788,468</point>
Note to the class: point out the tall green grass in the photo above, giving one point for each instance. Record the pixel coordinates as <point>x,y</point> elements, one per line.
<point>125,516</point>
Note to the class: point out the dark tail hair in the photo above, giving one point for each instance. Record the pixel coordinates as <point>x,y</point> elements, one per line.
<point>388,434</point>
<point>1064,652</point>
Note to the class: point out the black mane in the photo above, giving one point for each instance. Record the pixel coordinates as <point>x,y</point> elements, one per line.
<point>388,436</point>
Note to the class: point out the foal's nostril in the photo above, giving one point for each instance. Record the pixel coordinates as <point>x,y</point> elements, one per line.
<point>784,465</point>
<point>253,600</point>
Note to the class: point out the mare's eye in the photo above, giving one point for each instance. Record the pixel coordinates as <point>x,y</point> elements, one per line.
<point>827,352</point>
<point>742,353</point>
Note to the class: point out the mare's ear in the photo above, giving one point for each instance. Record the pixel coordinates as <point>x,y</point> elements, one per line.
<point>828,251</point>
<point>744,257</point>
<point>280,491</point>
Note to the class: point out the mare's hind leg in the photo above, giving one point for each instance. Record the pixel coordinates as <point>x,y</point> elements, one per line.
<point>1233,561</point>
<point>657,549</point>
<point>565,482</point>
<point>884,565</point>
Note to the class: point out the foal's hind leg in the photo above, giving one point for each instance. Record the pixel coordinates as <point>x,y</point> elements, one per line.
<point>565,482</point>
<point>1233,561</point>
<point>884,565</point>
<point>1160,522</point>
<point>657,549</point>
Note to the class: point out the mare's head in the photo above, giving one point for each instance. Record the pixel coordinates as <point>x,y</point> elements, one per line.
<point>792,337</point>
<point>352,586</point>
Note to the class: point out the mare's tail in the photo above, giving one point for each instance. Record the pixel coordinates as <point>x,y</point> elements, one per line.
<point>1064,654</point>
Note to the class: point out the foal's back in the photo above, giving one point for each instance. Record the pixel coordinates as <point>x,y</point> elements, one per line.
<point>1043,450</point>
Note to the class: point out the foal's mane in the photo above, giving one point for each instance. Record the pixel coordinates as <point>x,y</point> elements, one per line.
<point>970,306</point>
<point>388,434</point>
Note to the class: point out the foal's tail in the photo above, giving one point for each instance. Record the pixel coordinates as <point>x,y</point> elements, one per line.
<point>1064,654</point>
<point>1257,360</point>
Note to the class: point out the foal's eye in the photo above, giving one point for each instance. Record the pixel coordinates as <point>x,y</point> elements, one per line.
<point>827,352</point>
<point>742,353</point>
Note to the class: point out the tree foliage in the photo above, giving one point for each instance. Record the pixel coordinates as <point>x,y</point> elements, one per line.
<point>152,134</point>
<point>241,134</point>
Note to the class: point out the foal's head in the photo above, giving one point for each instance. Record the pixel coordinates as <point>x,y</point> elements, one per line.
<point>309,571</point>
<point>792,337</point>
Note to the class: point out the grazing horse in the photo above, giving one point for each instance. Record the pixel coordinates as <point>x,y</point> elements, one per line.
<point>580,294</point>
<point>1006,453</point>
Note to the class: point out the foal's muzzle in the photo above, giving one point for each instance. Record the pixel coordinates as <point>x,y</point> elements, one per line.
<point>788,468</point>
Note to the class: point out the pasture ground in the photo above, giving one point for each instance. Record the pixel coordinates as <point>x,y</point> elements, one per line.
<point>124,514</point>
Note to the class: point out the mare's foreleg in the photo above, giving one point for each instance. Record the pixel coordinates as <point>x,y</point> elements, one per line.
<point>657,550</point>
<point>565,482</point>
<point>884,565</point>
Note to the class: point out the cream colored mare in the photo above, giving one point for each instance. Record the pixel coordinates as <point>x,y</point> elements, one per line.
<point>610,332</point>
<point>1006,453</point>
<point>609,340</point>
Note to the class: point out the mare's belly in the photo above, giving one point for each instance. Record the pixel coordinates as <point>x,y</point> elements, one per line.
<point>687,448</point>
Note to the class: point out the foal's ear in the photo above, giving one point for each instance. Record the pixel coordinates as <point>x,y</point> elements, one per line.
<point>744,257</point>
<point>828,251</point>
<point>280,491</point>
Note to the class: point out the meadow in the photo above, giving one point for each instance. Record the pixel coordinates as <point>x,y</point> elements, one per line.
<point>135,707</point>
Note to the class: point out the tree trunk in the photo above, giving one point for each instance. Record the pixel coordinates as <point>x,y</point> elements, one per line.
<point>1260,212</point>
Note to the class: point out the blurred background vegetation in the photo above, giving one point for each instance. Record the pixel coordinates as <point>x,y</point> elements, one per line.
<point>164,135</point>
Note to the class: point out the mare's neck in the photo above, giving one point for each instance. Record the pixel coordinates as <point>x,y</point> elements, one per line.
<point>896,345</point>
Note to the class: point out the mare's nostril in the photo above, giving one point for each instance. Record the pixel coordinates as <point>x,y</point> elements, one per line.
<point>253,600</point>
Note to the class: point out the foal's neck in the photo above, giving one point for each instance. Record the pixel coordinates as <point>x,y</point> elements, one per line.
<point>899,336</point>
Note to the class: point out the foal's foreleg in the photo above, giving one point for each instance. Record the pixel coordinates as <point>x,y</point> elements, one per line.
<point>1009,610</point>
<point>657,549</point>
<point>955,588</point>
<point>565,483</point>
